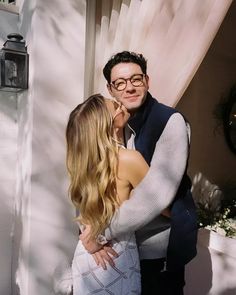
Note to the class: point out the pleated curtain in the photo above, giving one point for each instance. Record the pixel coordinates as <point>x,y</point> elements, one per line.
<point>174,36</point>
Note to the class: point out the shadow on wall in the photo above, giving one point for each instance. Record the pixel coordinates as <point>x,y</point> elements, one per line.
<point>228,292</point>
<point>26,14</point>
<point>199,270</point>
<point>20,243</point>
<point>17,255</point>
<point>8,101</point>
<point>8,159</point>
<point>44,8</point>
<point>8,24</point>
<point>6,226</point>
<point>47,206</point>
<point>198,274</point>
<point>206,194</point>
<point>56,65</point>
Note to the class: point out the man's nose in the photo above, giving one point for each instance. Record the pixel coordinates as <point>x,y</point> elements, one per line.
<point>129,86</point>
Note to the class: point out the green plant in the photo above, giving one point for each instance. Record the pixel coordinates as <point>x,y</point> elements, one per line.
<point>221,219</point>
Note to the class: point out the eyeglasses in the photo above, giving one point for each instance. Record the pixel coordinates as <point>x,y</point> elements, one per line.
<point>136,80</point>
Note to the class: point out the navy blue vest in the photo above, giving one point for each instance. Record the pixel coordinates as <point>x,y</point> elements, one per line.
<point>148,124</point>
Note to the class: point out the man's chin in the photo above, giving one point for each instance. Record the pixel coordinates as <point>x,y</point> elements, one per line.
<point>132,107</point>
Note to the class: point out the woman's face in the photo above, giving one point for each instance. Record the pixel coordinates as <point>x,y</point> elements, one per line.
<point>119,113</point>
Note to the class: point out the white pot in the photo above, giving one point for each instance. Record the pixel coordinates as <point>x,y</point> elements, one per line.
<point>213,271</point>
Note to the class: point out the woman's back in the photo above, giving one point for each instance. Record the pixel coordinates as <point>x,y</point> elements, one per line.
<point>124,277</point>
<point>131,169</point>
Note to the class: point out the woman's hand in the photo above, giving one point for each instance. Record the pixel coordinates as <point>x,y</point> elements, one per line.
<point>166,212</point>
<point>102,254</point>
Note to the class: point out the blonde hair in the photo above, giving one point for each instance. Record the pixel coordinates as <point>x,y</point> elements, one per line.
<point>92,159</point>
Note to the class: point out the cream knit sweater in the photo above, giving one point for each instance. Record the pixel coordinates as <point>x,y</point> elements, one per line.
<point>141,213</point>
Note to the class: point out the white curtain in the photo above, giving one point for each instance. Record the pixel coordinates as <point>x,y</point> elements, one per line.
<point>174,35</point>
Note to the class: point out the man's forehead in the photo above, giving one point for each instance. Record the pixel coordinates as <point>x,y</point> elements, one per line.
<point>124,70</point>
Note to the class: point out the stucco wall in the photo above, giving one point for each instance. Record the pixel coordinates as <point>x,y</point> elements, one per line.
<point>55,34</point>
<point>8,158</point>
<point>8,163</point>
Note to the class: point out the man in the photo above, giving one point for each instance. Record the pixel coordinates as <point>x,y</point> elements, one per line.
<point>161,135</point>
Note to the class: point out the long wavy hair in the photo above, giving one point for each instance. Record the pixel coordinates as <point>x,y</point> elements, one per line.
<point>92,161</point>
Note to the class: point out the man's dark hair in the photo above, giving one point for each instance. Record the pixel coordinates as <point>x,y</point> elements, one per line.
<point>126,57</point>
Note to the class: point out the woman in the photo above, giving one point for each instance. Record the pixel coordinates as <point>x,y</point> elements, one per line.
<point>102,175</point>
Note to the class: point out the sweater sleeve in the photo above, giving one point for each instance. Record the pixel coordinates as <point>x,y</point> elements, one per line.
<point>159,187</point>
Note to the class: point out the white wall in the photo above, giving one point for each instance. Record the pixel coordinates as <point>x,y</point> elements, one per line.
<point>212,272</point>
<point>8,163</point>
<point>8,157</point>
<point>55,34</point>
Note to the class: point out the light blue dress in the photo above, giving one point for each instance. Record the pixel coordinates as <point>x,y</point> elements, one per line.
<point>122,279</point>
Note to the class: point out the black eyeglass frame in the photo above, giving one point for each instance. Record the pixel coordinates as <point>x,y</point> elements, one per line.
<point>128,79</point>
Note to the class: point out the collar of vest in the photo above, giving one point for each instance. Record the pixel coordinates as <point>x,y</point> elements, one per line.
<point>138,119</point>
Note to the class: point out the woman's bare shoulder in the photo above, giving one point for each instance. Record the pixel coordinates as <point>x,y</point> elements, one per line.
<point>127,156</point>
<point>132,160</point>
<point>132,166</point>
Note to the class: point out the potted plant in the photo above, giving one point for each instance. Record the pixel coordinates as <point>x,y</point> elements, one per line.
<point>215,263</point>
<point>218,213</point>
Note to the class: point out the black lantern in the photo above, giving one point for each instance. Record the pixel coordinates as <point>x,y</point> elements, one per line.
<point>14,64</point>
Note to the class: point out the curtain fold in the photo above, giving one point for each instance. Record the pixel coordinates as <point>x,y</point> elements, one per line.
<point>174,35</point>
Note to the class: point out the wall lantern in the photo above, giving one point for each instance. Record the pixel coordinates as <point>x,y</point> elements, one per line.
<point>14,64</point>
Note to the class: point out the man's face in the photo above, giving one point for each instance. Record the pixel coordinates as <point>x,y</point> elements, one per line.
<point>132,97</point>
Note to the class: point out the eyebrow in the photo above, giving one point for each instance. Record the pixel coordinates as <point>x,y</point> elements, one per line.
<point>127,78</point>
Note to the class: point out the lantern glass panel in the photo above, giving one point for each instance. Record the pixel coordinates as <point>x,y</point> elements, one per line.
<point>14,69</point>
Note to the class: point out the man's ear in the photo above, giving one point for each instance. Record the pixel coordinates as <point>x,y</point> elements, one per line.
<point>110,90</point>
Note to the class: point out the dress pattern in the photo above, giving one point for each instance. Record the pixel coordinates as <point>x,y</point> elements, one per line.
<point>122,279</point>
